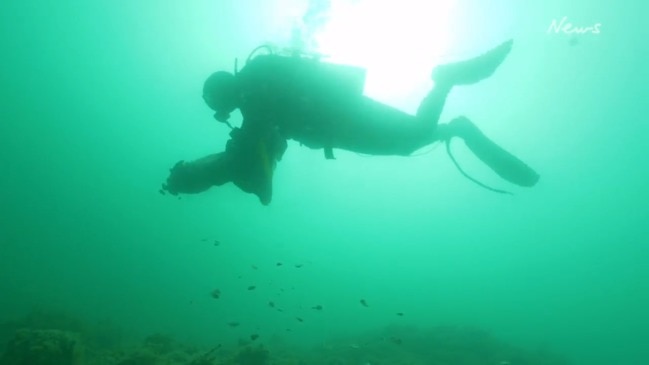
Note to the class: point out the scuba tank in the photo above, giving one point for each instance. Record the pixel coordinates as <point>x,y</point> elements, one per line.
<point>311,83</point>
<point>323,78</point>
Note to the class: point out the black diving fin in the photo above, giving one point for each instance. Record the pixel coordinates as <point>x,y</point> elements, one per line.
<point>503,163</point>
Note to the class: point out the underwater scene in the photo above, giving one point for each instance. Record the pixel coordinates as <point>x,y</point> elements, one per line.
<point>324,182</point>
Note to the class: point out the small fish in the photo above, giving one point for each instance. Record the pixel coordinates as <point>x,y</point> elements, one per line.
<point>254,336</point>
<point>216,293</point>
<point>212,350</point>
<point>162,192</point>
<point>317,307</point>
<point>252,287</point>
<point>254,267</point>
<point>297,266</point>
<point>299,319</point>
<point>204,240</point>
<point>396,341</point>
<point>400,314</point>
<point>217,242</point>
<point>364,303</point>
<point>234,324</point>
<point>271,304</point>
<point>279,264</point>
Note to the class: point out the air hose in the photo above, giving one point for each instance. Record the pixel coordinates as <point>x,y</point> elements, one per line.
<point>457,165</point>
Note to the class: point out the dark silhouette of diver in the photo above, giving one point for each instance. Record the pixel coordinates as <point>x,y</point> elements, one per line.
<point>322,106</point>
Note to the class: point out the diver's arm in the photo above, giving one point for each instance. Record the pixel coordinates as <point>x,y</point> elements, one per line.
<point>197,176</point>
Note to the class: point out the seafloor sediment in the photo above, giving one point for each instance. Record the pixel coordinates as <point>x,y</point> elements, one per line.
<point>52,339</point>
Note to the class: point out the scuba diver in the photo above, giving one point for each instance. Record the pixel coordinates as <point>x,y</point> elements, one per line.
<point>321,105</point>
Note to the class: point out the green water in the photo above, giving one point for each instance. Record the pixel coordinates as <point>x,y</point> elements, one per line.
<point>100,98</point>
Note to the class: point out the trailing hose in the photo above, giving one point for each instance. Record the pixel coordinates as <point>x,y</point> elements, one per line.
<point>457,165</point>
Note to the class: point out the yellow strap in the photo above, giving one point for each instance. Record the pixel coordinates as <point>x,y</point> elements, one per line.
<point>265,160</point>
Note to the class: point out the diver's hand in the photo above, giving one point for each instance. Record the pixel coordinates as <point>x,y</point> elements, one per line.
<point>177,179</point>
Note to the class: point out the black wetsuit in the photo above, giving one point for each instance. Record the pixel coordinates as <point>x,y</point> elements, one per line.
<point>322,105</point>
<point>300,97</point>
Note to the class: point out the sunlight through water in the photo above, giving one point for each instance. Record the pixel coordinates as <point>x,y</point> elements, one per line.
<point>397,42</point>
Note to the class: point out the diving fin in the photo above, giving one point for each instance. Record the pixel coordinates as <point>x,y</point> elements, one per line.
<point>474,70</point>
<point>503,163</point>
<point>329,153</point>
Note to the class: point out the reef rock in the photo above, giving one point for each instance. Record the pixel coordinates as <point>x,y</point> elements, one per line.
<point>43,347</point>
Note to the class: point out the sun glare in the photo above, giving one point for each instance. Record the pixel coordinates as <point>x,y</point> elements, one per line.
<point>398,42</point>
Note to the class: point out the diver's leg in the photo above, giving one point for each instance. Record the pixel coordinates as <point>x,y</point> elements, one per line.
<point>367,126</point>
<point>459,73</point>
<point>432,105</point>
